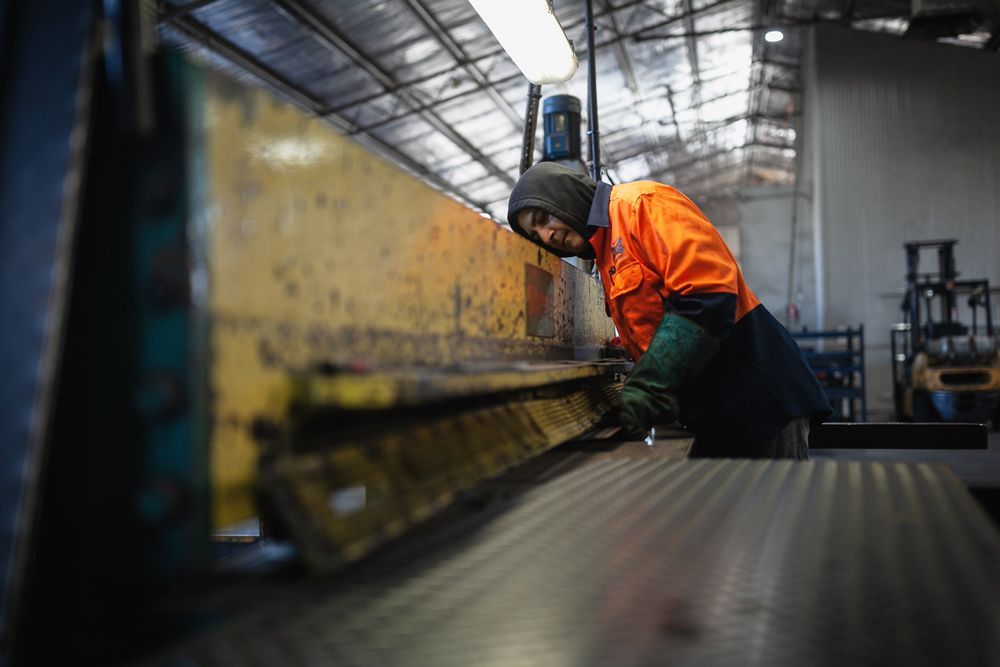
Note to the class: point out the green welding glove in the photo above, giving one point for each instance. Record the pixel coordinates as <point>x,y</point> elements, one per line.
<point>680,348</point>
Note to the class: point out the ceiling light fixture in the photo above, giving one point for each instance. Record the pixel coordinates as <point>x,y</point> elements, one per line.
<point>531,35</point>
<point>773,36</point>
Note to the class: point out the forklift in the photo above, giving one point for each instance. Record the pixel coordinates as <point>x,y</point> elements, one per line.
<point>942,369</point>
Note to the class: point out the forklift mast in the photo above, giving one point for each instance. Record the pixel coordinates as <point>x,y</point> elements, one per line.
<point>941,367</point>
<point>942,284</point>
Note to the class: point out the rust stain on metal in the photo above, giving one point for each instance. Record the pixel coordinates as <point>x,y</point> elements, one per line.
<point>538,302</point>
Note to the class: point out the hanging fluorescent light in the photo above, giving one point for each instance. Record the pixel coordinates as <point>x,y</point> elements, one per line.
<point>773,36</point>
<point>531,35</point>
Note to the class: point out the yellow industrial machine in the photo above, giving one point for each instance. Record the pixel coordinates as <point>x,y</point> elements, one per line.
<point>267,321</point>
<point>340,290</point>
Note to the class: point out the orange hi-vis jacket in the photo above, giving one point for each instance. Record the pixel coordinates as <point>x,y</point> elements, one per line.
<point>659,247</point>
<point>657,252</point>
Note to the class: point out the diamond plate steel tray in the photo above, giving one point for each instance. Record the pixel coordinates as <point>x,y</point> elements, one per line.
<point>639,562</point>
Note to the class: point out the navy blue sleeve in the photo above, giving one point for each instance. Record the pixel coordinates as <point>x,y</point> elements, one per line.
<point>714,312</point>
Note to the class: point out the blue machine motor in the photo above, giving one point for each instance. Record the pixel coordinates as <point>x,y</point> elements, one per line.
<point>561,115</point>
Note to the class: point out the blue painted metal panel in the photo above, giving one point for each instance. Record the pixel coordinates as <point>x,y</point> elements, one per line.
<point>43,47</point>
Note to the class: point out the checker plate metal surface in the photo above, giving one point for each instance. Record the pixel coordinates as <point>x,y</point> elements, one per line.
<point>628,562</point>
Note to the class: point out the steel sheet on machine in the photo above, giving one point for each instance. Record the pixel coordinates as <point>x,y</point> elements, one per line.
<point>629,562</point>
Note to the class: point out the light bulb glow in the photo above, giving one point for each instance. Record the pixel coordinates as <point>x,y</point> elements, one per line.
<point>773,36</point>
<point>531,35</point>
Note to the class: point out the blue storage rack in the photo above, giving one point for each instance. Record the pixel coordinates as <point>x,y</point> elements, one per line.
<point>838,359</point>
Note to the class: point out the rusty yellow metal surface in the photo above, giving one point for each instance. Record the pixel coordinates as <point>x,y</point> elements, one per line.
<point>320,253</point>
<point>341,499</point>
<point>411,386</point>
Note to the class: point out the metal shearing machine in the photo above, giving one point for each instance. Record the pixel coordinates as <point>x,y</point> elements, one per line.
<point>303,408</point>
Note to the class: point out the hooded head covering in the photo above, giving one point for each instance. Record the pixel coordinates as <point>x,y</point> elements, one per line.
<point>558,191</point>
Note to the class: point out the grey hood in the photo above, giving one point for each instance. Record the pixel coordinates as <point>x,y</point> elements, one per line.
<point>558,191</point>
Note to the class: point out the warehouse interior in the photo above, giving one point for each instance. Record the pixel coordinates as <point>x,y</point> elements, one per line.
<point>283,387</point>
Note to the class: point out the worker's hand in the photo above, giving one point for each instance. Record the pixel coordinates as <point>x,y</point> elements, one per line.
<point>679,349</point>
<point>641,410</point>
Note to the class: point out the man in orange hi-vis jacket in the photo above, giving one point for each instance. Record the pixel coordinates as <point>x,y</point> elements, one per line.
<point>707,352</point>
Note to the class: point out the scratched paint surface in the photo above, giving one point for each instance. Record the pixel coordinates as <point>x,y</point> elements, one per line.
<point>322,253</point>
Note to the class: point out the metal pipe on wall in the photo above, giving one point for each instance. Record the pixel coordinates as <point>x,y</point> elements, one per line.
<point>592,128</point>
<point>792,249</point>
<point>530,125</point>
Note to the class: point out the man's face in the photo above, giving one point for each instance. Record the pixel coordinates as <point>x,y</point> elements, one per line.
<point>551,231</point>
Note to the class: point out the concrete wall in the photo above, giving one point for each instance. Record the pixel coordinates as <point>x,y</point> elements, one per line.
<point>725,215</point>
<point>757,225</point>
<point>901,142</point>
<point>767,228</point>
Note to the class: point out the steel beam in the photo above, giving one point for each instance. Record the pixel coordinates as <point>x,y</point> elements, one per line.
<point>692,50</point>
<point>627,68</point>
<point>328,34</point>
<point>167,11</point>
<point>517,76</point>
<point>673,112</point>
<point>667,145</point>
<point>711,99</point>
<point>758,143</point>
<point>444,38</point>
<point>899,436</point>
<point>470,61</point>
<point>704,182</point>
<point>498,52</point>
<point>530,126</point>
<point>701,158</point>
<point>689,13</point>
<point>207,39</point>
<point>709,156</point>
<point>669,96</point>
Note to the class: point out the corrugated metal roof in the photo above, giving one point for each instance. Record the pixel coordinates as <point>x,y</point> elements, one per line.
<point>688,91</point>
